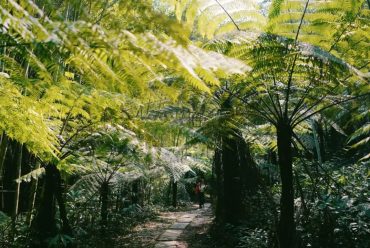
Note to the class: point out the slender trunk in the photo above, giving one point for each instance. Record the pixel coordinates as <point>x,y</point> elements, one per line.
<point>178,138</point>
<point>136,194</point>
<point>3,149</point>
<point>168,193</point>
<point>17,186</point>
<point>66,228</point>
<point>174,193</point>
<point>149,192</point>
<point>305,211</point>
<point>104,191</point>
<point>18,183</point>
<point>321,135</point>
<point>316,140</point>
<point>117,207</point>
<point>286,224</point>
<point>33,193</point>
<point>219,183</point>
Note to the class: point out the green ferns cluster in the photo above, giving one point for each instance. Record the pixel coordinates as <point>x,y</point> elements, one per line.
<point>72,69</point>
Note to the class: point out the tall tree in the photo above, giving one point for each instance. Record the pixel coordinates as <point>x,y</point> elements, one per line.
<point>300,62</point>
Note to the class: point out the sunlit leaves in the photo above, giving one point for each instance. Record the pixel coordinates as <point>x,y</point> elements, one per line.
<point>22,120</point>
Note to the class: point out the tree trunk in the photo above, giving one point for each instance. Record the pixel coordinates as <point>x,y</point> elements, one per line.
<point>219,185</point>
<point>232,180</point>
<point>10,173</point>
<point>316,141</point>
<point>3,149</point>
<point>44,224</point>
<point>286,224</point>
<point>321,139</point>
<point>235,176</point>
<point>66,228</point>
<point>168,193</point>
<point>33,192</point>
<point>149,194</point>
<point>104,191</point>
<point>17,184</point>
<point>234,169</point>
<point>174,193</point>
<point>137,193</point>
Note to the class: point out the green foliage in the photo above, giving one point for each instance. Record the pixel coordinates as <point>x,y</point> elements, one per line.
<point>60,241</point>
<point>341,215</point>
<point>117,92</point>
<point>210,18</point>
<point>3,219</point>
<point>253,238</point>
<point>61,56</point>
<point>24,123</point>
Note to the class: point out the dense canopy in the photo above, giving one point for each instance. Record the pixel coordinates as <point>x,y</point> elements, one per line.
<point>114,111</point>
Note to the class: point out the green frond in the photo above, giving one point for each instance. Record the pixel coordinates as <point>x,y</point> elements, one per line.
<point>34,174</point>
<point>24,123</point>
<point>207,18</point>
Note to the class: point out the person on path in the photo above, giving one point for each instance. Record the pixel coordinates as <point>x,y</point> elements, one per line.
<point>199,191</point>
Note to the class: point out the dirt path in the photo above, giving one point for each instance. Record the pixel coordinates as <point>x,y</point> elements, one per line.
<point>181,233</point>
<point>197,233</point>
<point>170,230</point>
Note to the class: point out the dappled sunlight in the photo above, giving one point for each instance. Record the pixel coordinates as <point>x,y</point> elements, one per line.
<point>184,123</point>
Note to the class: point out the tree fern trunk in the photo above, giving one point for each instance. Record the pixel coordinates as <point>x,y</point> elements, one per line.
<point>104,191</point>
<point>168,193</point>
<point>286,224</point>
<point>232,181</point>
<point>316,141</point>
<point>18,175</point>
<point>44,225</point>
<point>3,149</point>
<point>33,192</point>
<point>235,176</point>
<point>219,185</point>
<point>66,228</point>
<point>321,135</point>
<point>174,193</point>
<point>149,196</point>
<point>17,187</point>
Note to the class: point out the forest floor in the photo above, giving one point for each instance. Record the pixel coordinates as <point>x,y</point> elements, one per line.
<point>188,228</point>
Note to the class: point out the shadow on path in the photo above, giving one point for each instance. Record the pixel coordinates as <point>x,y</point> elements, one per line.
<point>184,231</point>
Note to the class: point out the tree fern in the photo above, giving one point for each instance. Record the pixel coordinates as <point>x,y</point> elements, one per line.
<point>209,18</point>
<point>60,58</point>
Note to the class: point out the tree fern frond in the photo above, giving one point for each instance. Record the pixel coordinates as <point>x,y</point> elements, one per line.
<point>35,174</point>
<point>209,17</point>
